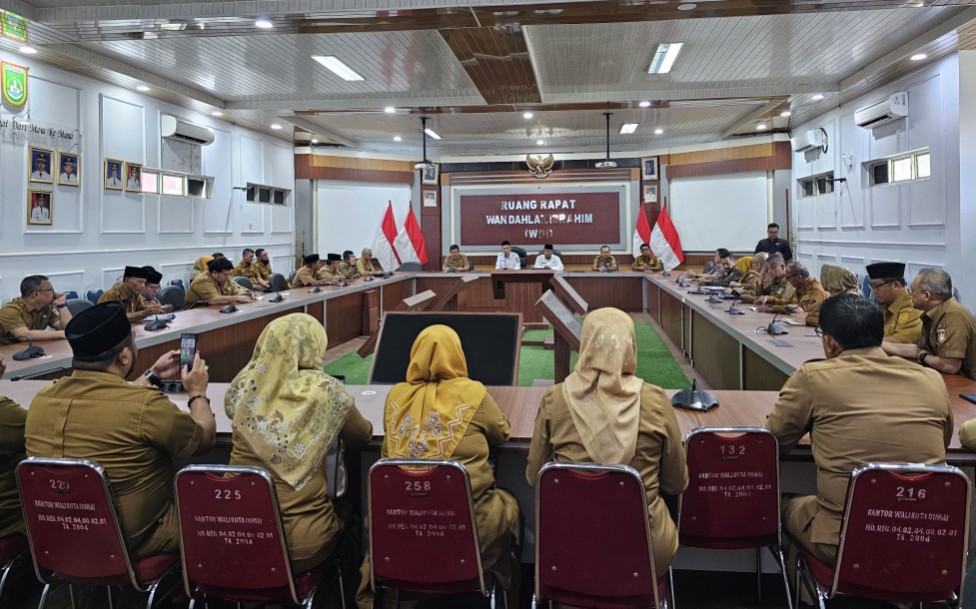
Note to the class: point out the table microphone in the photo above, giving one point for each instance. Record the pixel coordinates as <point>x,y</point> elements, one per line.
<point>776,327</point>
<point>277,297</point>
<point>734,310</point>
<point>29,353</point>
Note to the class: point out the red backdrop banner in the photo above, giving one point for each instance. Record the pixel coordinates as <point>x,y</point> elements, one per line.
<point>589,218</point>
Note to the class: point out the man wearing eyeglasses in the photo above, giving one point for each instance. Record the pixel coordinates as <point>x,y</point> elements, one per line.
<point>38,308</point>
<point>808,294</point>
<point>777,289</point>
<point>902,321</point>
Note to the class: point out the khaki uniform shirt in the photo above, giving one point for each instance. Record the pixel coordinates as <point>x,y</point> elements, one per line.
<point>650,261</point>
<point>457,262</point>
<point>809,296</point>
<point>366,268</point>
<point>605,262</point>
<point>134,432</point>
<point>12,418</point>
<point>858,407</point>
<point>949,330</point>
<point>348,271</point>
<point>660,457</point>
<point>902,321</point>
<point>779,290</point>
<point>204,287</point>
<point>726,278</point>
<point>135,305</point>
<point>311,526</point>
<point>303,277</point>
<point>327,273</point>
<point>243,269</point>
<point>18,314</point>
<point>750,286</point>
<point>263,269</point>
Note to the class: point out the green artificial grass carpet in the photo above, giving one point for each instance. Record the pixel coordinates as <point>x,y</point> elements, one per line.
<point>654,362</point>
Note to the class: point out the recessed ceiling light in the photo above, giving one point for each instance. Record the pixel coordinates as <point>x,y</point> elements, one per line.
<point>761,126</point>
<point>264,24</point>
<point>539,142</point>
<point>664,57</point>
<point>644,104</point>
<point>389,110</point>
<point>28,50</point>
<point>785,113</point>
<point>687,6</point>
<point>527,115</point>
<point>142,88</point>
<point>658,131</point>
<point>397,138</point>
<point>919,56</point>
<point>817,97</point>
<point>216,113</point>
<point>628,128</point>
<point>430,133</point>
<point>338,68</point>
<point>315,141</point>
<point>275,126</point>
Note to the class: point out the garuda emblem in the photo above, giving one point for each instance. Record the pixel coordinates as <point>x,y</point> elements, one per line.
<point>540,166</point>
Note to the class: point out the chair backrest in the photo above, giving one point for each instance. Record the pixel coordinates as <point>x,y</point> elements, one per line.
<point>905,533</point>
<point>732,499</point>
<point>72,522</point>
<point>522,254</point>
<point>172,295</point>
<point>410,267</point>
<point>609,561</point>
<point>556,252</point>
<point>232,540</point>
<point>470,265</point>
<point>179,283</point>
<point>245,282</point>
<point>423,508</point>
<point>94,295</point>
<point>278,282</point>
<point>71,294</point>
<point>77,305</point>
<point>866,289</point>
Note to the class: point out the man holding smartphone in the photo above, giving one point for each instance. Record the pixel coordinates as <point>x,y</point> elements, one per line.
<point>134,431</point>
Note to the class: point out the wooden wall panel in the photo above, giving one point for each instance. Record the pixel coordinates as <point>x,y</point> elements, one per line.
<point>344,318</point>
<point>758,374</point>
<point>318,167</point>
<point>781,157</point>
<point>715,353</point>
<point>721,154</point>
<point>624,293</point>
<point>393,293</point>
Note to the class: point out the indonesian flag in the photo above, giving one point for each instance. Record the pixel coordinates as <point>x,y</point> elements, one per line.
<point>383,248</point>
<point>642,234</point>
<point>665,242</point>
<point>409,242</point>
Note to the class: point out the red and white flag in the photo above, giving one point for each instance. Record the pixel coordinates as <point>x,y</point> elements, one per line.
<point>409,242</point>
<point>642,234</point>
<point>383,248</point>
<point>665,242</point>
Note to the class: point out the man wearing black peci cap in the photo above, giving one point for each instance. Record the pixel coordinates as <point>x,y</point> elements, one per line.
<point>548,259</point>
<point>215,287</point>
<point>305,276</point>
<point>330,272</point>
<point>902,321</point>
<point>151,292</point>
<point>129,293</point>
<point>131,429</point>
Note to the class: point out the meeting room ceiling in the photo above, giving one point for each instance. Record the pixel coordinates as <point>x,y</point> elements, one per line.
<point>500,78</point>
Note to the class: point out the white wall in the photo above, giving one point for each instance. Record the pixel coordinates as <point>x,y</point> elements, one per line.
<point>913,222</point>
<point>96,232</point>
<point>348,214</point>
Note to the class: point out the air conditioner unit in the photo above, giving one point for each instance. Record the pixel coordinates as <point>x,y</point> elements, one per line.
<point>808,140</point>
<point>892,109</point>
<point>174,128</point>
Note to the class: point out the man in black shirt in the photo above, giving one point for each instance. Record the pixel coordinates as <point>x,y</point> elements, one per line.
<point>773,244</point>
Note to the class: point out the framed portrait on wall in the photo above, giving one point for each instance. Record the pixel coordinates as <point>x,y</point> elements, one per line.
<point>113,174</point>
<point>69,169</point>
<point>133,177</point>
<point>650,193</point>
<point>429,174</point>
<point>40,207</point>
<point>41,165</point>
<point>649,168</point>
<point>430,198</point>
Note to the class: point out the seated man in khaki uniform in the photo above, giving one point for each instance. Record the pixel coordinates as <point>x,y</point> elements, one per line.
<point>456,262</point>
<point>347,268</point>
<point>750,285</point>
<point>948,340</point>
<point>807,297</point>
<point>262,265</point>
<point>604,262</point>
<point>306,276</point>
<point>646,261</point>
<point>38,308</point>
<point>215,286</point>
<point>776,289</point>
<point>858,405</point>
<point>150,293</point>
<point>129,293</point>
<point>131,429</point>
<point>12,418</point>
<point>726,274</point>
<point>367,265</point>
<point>249,269</point>
<point>903,322</point>
<point>330,272</point>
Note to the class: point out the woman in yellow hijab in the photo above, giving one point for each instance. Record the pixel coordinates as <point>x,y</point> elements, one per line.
<point>603,413</point>
<point>439,413</point>
<point>286,413</point>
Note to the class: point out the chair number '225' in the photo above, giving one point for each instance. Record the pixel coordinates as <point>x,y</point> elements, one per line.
<point>226,494</point>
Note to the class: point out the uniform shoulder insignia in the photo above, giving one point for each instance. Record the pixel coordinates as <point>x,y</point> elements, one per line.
<point>940,334</point>
<point>904,315</point>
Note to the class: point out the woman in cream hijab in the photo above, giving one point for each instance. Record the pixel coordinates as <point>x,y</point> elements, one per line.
<point>286,412</point>
<point>604,414</point>
<point>200,266</point>
<point>439,413</point>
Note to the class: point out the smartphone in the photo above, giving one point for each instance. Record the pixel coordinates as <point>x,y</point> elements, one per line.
<point>188,349</point>
<point>969,397</point>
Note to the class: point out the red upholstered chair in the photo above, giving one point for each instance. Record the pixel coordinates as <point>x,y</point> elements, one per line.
<point>733,500</point>
<point>232,540</point>
<point>420,508</point>
<point>13,551</point>
<point>903,539</point>
<point>74,529</point>
<point>593,543</point>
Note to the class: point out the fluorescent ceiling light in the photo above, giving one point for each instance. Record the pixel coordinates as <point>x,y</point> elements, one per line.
<point>389,109</point>
<point>28,50</point>
<point>264,24</point>
<point>142,88</point>
<point>817,97</point>
<point>275,126</point>
<point>664,56</point>
<point>539,142</point>
<point>628,128</point>
<point>644,104</point>
<point>761,126</point>
<point>315,141</point>
<point>430,133</point>
<point>785,113</point>
<point>397,138</point>
<point>687,6</point>
<point>173,27</point>
<point>658,131</point>
<point>216,113</point>
<point>527,115</point>
<point>919,56</point>
<point>337,67</point>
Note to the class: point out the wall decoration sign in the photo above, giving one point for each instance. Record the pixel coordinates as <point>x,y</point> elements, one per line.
<point>14,27</point>
<point>40,207</point>
<point>113,174</point>
<point>69,168</point>
<point>649,168</point>
<point>14,79</point>
<point>41,163</point>
<point>133,177</point>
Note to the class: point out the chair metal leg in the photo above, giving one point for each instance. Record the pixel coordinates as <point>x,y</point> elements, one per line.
<point>669,592</point>
<point>778,554</point>
<point>796,583</point>
<point>111,604</point>
<point>535,602</point>
<point>759,574</point>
